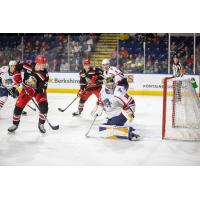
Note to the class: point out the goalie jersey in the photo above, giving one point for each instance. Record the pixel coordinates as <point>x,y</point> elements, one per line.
<point>114,103</point>
<point>117,75</point>
<point>6,79</point>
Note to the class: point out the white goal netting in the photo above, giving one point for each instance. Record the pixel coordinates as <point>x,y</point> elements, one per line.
<point>181,107</point>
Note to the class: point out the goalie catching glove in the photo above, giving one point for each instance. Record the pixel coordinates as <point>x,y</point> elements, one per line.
<point>130,115</point>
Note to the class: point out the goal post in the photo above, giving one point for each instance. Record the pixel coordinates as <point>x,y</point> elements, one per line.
<point>181,110</point>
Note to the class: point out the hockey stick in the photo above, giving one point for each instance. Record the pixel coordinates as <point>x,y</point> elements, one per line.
<point>10,91</point>
<point>53,127</point>
<point>86,135</point>
<point>94,110</point>
<point>62,110</point>
<point>31,107</point>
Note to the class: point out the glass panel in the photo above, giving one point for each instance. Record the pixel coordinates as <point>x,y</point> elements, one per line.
<point>133,49</point>
<point>53,46</point>
<point>197,56</point>
<point>10,48</point>
<point>183,46</point>
<point>131,53</point>
<point>156,53</point>
<point>83,46</point>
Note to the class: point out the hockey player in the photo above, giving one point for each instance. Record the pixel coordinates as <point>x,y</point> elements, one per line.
<point>7,86</point>
<point>119,106</point>
<point>91,81</point>
<point>113,72</point>
<point>34,84</point>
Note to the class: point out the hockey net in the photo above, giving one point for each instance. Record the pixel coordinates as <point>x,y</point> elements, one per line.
<point>181,110</point>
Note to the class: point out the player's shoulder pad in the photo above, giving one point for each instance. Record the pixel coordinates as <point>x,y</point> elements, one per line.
<point>4,69</point>
<point>113,68</point>
<point>45,73</point>
<point>82,74</point>
<point>119,91</point>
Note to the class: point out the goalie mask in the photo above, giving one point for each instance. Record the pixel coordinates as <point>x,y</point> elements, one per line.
<point>31,82</point>
<point>109,85</point>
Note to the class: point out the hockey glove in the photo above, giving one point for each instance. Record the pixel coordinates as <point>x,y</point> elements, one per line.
<point>40,90</point>
<point>29,91</point>
<point>81,93</point>
<point>99,82</point>
<point>13,92</point>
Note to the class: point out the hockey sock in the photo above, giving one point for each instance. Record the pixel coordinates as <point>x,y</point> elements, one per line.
<point>17,115</point>
<point>43,112</point>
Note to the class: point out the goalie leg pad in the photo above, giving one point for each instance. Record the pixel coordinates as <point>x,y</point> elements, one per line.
<point>113,132</point>
<point>121,132</point>
<point>119,120</point>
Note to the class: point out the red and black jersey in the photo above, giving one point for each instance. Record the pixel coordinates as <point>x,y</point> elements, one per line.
<point>42,77</point>
<point>92,79</point>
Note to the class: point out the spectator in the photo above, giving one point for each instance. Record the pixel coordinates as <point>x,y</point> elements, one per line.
<point>55,66</point>
<point>190,61</point>
<point>173,48</point>
<point>77,48</point>
<point>64,67</point>
<point>149,62</point>
<point>123,52</point>
<point>131,59</point>
<point>44,47</point>
<point>37,47</point>
<point>139,61</point>
<point>198,60</point>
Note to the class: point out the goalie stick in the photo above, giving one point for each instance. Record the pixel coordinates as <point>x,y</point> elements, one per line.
<point>87,134</point>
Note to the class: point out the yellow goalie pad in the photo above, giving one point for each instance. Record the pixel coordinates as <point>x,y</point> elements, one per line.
<point>114,132</point>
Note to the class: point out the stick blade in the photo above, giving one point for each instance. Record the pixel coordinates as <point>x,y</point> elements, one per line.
<point>61,110</point>
<point>55,127</point>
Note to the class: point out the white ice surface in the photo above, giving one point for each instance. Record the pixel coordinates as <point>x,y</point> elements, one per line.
<point>68,145</point>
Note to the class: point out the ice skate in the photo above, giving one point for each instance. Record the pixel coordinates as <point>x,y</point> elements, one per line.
<point>12,128</point>
<point>77,113</point>
<point>41,128</point>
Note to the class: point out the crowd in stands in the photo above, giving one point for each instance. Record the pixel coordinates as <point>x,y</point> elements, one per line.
<point>65,52</point>
<point>131,53</point>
